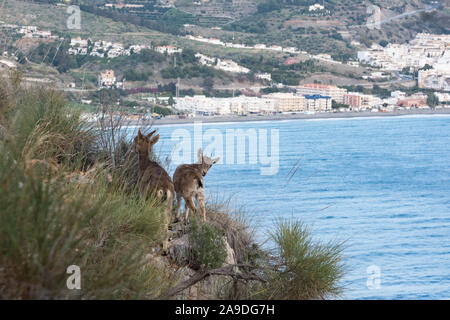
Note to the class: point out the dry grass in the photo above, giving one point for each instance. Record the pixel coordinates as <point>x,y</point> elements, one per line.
<point>234,228</point>
<point>55,214</point>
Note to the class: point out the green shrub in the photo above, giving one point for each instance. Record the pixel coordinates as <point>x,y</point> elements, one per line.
<point>306,269</point>
<point>207,245</point>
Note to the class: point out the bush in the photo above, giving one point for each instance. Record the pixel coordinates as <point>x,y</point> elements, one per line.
<point>207,245</point>
<point>133,75</point>
<point>432,100</point>
<point>305,269</point>
<point>54,213</point>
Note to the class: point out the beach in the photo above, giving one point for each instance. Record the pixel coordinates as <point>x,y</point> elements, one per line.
<point>319,115</point>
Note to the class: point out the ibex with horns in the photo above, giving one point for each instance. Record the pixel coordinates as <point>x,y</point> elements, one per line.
<point>153,179</point>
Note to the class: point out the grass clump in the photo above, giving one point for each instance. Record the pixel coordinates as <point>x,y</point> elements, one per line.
<point>207,245</point>
<point>302,268</point>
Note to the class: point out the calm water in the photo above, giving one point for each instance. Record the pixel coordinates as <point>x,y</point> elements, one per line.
<point>382,184</point>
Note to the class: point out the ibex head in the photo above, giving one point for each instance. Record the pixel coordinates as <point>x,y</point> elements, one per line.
<point>205,162</point>
<point>143,143</point>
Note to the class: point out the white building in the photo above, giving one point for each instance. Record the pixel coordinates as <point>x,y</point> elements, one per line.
<point>287,102</point>
<point>264,76</point>
<point>336,93</point>
<point>443,97</point>
<point>230,66</point>
<point>424,49</point>
<point>434,79</point>
<point>225,65</point>
<point>78,42</point>
<point>316,7</point>
<point>200,104</point>
<point>170,50</point>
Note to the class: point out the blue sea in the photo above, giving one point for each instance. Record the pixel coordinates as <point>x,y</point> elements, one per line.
<point>380,184</point>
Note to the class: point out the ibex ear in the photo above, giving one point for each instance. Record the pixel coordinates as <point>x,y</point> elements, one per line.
<point>139,134</point>
<point>154,139</point>
<point>200,155</point>
<point>216,160</point>
<point>151,133</point>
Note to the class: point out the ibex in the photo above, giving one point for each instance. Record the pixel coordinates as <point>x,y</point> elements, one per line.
<point>153,179</point>
<point>188,181</point>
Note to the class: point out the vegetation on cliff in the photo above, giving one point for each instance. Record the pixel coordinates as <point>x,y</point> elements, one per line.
<point>68,197</point>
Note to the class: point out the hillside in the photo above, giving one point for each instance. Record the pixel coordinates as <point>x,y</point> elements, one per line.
<point>289,22</point>
<point>45,55</point>
<point>330,30</point>
<point>336,30</point>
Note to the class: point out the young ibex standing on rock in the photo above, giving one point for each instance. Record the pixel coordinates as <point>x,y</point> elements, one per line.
<point>153,179</point>
<point>188,181</point>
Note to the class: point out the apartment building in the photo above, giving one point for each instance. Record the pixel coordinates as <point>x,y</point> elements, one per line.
<point>246,105</point>
<point>225,106</point>
<point>270,103</point>
<point>434,79</point>
<point>317,103</point>
<point>287,102</point>
<point>352,100</point>
<point>336,94</point>
<point>361,101</point>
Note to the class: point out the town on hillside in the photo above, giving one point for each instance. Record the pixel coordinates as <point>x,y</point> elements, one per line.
<point>425,61</point>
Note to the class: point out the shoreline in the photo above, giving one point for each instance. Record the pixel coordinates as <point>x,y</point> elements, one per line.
<point>324,115</point>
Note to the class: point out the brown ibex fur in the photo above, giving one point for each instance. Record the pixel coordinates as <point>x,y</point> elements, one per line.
<point>188,181</point>
<point>153,179</point>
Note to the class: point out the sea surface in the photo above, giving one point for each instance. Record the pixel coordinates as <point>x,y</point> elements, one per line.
<point>380,184</point>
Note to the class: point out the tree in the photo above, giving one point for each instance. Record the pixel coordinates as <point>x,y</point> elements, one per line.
<point>336,105</point>
<point>406,70</point>
<point>21,58</point>
<point>432,100</point>
<point>426,67</point>
<point>208,83</point>
<point>383,43</point>
<point>171,101</point>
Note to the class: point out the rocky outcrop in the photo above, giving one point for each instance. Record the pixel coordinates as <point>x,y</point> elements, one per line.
<point>211,287</point>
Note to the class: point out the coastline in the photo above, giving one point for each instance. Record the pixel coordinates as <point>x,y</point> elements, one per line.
<point>324,115</point>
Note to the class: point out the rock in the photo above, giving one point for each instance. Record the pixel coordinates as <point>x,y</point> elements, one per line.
<point>176,230</point>
<point>178,249</point>
<point>160,261</point>
<point>231,257</point>
<point>211,287</point>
